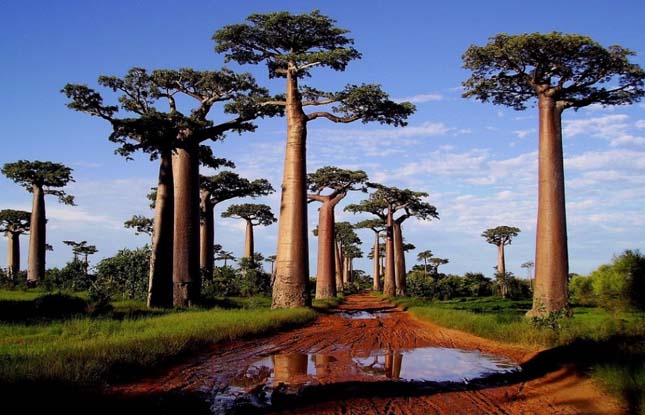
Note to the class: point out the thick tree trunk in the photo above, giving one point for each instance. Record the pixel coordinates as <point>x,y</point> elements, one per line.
<point>248,242</point>
<point>13,257</point>
<point>37,238</point>
<point>376,284</point>
<point>186,278</point>
<point>399,260</point>
<point>292,267</point>
<point>501,270</point>
<point>326,270</point>
<point>389,283</point>
<point>206,236</point>
<point>339,268</point>
<point>160,277</point>
<point>551,254</point>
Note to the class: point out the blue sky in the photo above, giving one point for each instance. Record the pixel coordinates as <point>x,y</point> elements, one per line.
<point>477,161</point>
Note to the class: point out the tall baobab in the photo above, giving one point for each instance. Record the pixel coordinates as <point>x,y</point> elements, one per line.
<point>40,178</point>
<point>561,71</point>
<point>500,237</point>
<point>176,138</point>
<point>529,268</point>
<point>254,215</point>
<point>377,226</point>
<point>339,181</point>
<point>215,189</point>
<point>292,46</point>
<point>425,256</point>
<point>436,261</point>
<point>14,223</point>
<point>384,202</point>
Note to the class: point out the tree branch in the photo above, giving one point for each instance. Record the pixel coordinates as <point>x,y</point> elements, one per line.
<point>332,117</point>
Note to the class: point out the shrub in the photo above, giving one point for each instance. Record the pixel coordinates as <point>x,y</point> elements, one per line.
<point>621,284</point>
<point>581,291</point>
<point>420,286</point>
<point>71,277</point>
<point>124,275</point>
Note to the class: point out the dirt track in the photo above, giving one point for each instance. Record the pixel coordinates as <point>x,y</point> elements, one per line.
<point>315,368</point>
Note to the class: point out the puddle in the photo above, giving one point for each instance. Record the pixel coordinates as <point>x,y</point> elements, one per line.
<point>434,364</point>
<point>357,315</point>
<point>293,374</point>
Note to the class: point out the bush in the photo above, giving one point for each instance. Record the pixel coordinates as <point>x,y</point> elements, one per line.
<point>621,284</point>
<point>124,275</point>
<point>581,291</point>
<point>71,277</point>
<point>420,285</point>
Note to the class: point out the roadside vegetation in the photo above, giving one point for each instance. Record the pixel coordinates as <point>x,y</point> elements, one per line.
<point>604,334</point>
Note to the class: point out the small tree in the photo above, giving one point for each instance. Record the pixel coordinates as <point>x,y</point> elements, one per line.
<point>377,226</point>
<point>529,270</point>
<point>225,256</point>
<point>39,178</point>
<point>339,181</point>
<point>562,71</point>
<point>291,46</point>
<point>254,215</point>
<point>14,223</point>
<point>436,262</point>
<point>223,186</point>
<point>500,237</point>
<point>82,248</point>
<point>424,256</point>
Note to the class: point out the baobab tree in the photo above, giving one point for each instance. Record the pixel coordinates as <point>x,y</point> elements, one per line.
<point>175,138</point>
<point>14,223</point>
<point>82,248</point>
<point>339,181</point>
<point>436,262</point>
<point>271,259</point>
<point>377,226</point>
<point>344,236</point>
<point>561,71</point>
<point>529,268</point>
<point>254,215</point>
<point>291,46</point>
<point>500,237</point>
<point>350,253</point>
<point>215,189</point>
<point>384,202</point>
<point>225,256</point>
<point>425,256</point>
<point>40,178</point>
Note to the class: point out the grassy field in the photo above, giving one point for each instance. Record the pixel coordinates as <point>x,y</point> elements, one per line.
<point>78,349</point>
<point>609,346</point>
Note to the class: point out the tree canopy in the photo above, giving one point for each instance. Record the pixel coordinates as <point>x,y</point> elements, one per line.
<point>14,221</point>
<point>140,224</point>
<point>572,69</point>
<point>229,185</point>
<point>43,174</point>
<point>257,214</point>
<point>340,181</point>
<point>501,235</point>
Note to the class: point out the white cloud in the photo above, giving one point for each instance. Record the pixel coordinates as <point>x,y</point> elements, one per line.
<point>524,133</point>
<point>421,98</point>
<point>613,128</point>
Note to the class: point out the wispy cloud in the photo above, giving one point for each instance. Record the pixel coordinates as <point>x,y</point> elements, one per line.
<point>614,128</point>
<point>421,98</point>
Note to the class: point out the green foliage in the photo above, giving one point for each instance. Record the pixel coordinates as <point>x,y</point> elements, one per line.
<point>621,284</point>
<point>501,235</point>
<point>280,38</point>
<point>43,174</point>
<point>247,281</point>
<point>581,291</point>
<point>140,224</point>
<point>445,287</point>
<point>337,179</point>
<point>14,221</point>
<point>229,185</point>
<point>71,277</point>
<point>257,214</point>
<point>123,276</point>
<point>573,69</point>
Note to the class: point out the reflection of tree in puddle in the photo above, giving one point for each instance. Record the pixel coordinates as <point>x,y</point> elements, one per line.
<point>323,364</point>
<point>386,364</point>
<point>288,367</point>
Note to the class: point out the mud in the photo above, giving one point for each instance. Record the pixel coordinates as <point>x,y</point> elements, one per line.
<point>369,357</point>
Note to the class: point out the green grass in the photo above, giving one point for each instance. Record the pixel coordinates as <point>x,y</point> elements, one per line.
<point>83,350</point>
<point>609,345</point>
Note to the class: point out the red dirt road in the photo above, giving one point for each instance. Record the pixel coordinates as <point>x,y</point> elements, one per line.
<point>340,365</point>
